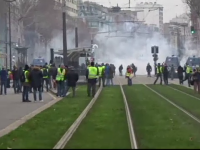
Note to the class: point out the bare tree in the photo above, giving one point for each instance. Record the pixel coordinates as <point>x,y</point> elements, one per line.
<point>194,6</point>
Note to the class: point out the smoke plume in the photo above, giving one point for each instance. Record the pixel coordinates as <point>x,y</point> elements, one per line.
<point>126,48</point>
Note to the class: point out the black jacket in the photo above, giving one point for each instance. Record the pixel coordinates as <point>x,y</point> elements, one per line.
<point>36,77</point>
<point>72,78</point>
<point>16,74</point>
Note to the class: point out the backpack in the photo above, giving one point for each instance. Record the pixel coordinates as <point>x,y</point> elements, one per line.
<point>22,77</point>
<point>45,72</point>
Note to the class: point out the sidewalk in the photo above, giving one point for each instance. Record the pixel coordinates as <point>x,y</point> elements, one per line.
<point>12,108</point>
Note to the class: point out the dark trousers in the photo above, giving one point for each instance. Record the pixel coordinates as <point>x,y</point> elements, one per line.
<point>180,77</point>
<point>165,76</point>
<point>25,93</point>
<point>73,90</point>
<point>158,76</point>
<point>16,84</point>
<point>4,86</point>
<point>102,81</point>
<point>35,90</point>
<point>188,78</point>
<point>91,87</point>
<point>46,82</point>
<point>149,74</point>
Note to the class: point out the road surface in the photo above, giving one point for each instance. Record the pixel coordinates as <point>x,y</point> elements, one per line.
<point>12,108</point>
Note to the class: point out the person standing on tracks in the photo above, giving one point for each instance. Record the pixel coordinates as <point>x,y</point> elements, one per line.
<point>180,71</point>
<point>36,78</point>
<point>100,75</point>
<point>60,81</point>
<point>165,74</point>
<point>129,74</point>
<point>159,74</point>
<point>195,80</point>
<point>72,78</point>
<point>188,72</point>
<point>172,72</point>
<point>92,74</point>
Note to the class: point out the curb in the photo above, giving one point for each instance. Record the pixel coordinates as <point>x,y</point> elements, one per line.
<point>24,119</point>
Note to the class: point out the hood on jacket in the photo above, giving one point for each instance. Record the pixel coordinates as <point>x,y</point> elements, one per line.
<point>36,69</point>
<point>26,67</point>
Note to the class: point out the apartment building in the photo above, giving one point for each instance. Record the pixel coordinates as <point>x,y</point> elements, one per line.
<point>71,6</point>
<point>150,13</point>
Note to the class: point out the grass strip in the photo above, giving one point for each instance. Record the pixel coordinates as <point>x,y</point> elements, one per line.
<point>105,127</point>
<point>158,124</point>
<point>186,102</point>
<point>45,130</point>
<point>185,89</point>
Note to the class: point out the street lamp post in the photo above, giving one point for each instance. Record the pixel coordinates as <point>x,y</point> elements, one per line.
<point>9,22</point>
<point>65,59</point>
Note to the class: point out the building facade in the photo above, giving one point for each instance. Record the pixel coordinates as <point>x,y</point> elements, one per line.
<point>95,15</point>
<point>71,6</point>
<point>178,34</point>
<point>150,13</point>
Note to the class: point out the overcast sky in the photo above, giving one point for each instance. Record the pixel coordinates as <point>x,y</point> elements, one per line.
<point>171,7</point>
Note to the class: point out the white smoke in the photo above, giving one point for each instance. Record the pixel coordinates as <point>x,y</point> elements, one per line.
<point>127,49</point>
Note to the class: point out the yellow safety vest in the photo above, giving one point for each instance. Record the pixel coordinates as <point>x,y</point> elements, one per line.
<point>161,68</point>
<point>60,75</point>
<point>25,74</point>
<point>100,71</point>
<point>127,74</point>
<point>92,73</point>
<point>188,69</point>
<point>45,77</point>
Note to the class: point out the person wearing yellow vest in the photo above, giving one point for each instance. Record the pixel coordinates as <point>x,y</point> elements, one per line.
<point>188,73</point>
<point>100,74</point>
<point>92,74</point>
<point>45,72</point>
<point>159,73</point>
<point>26,84</point>
<point>103,74</point>
<point>60,77</point>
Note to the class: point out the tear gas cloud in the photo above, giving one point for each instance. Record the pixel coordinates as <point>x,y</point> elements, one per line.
<point>126,49</point>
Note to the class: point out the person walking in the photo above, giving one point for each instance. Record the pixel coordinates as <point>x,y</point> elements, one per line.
<point>16,79</point>
<point>159,73</point>
<point>72,79</point>
<point>36,78</point>
<point>3,76</point>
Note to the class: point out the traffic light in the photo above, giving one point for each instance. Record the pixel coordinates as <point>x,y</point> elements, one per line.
<point>155,57</point>
<point>192,30</point>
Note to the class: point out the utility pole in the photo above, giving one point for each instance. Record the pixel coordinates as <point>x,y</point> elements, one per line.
<point>6,40</point>
<point>129,3</point>
<point>76,28</point>
<point>65,59</point>
<point>10,44</point>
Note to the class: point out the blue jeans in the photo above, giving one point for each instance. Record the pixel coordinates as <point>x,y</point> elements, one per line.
<point>60,88</point>
<point>16,86</point>
<point>66,88</point>
<point>35,93</point>
<point>4,85</point>
<point>25,93</point>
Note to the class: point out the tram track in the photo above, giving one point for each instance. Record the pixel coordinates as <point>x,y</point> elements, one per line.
<point>63,142</point>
